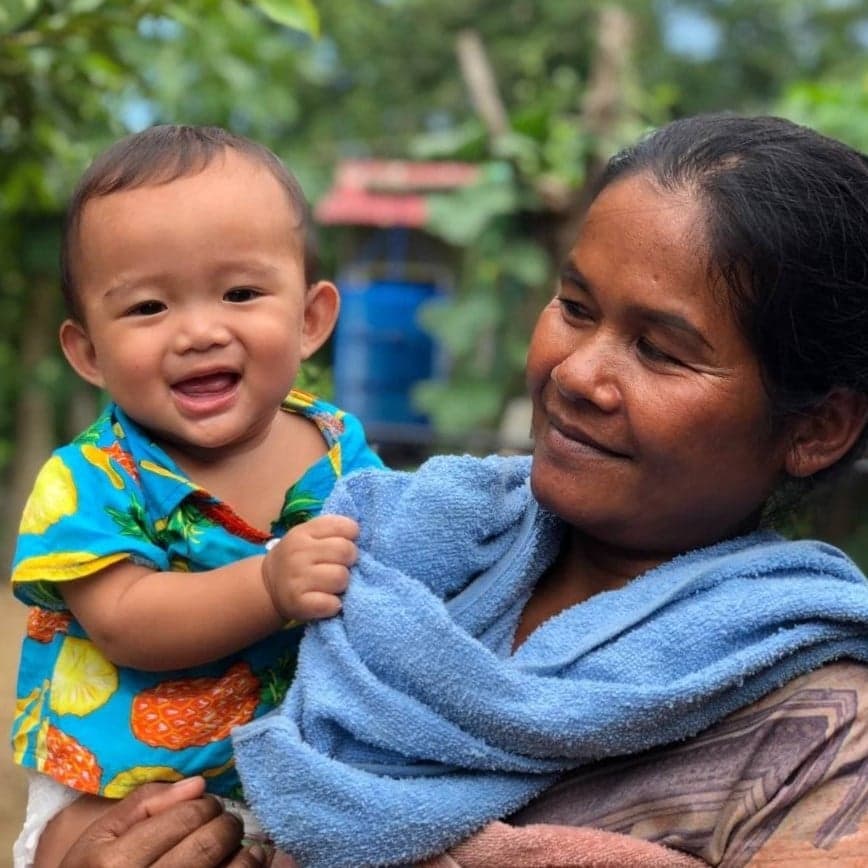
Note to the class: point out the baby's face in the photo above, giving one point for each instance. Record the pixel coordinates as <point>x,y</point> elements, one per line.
<point>194,302</point>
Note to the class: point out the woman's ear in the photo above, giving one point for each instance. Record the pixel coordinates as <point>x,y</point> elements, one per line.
<point>824,434</point>
<point>321,306</point>
<point>80,352</point>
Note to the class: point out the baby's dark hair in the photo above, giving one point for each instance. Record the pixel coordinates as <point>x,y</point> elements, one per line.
<point>786,221</point>
<point>161,154</point>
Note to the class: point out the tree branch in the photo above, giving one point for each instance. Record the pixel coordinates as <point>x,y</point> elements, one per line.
<point>481,84</point>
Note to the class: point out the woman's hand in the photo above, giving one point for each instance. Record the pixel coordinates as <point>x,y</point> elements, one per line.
<point>174,825</point>
<point>306,571</point>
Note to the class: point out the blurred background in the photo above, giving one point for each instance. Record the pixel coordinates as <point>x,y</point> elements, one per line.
<point>446,148</point>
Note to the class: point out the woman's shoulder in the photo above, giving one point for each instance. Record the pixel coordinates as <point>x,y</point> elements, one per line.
<point>781,781</point>
<point>842,685</point>
<point>846,674</point>
<point>800,797</point>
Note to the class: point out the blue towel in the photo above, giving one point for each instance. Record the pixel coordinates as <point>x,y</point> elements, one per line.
<point>410,724</point>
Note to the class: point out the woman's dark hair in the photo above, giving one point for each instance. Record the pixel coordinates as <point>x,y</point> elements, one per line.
<point>161,154</point>
<point>786,213</point>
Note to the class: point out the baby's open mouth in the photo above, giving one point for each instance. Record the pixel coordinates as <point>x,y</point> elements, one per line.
<point>207,385</point>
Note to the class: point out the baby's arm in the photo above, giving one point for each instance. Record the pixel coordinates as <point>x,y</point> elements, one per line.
<point>163,620</point>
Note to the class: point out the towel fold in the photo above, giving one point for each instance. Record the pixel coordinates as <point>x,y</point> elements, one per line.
<point>550,846</point>
<point>410,725</point>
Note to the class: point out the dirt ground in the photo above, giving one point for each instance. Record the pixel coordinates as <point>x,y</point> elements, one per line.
<point>12,788</point>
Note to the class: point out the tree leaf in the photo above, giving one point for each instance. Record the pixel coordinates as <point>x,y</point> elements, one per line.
<point>77,7</point>
<point>13,13</point>
<point>459,408</point>
<point>526,262</point>
<point>297,14</point>
<point>460,216</point>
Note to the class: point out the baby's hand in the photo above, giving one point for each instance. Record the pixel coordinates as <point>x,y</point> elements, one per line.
<point>306,571</point>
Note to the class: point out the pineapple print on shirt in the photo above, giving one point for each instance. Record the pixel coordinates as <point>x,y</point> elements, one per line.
<point>195,711</point>
<point>112,495</point>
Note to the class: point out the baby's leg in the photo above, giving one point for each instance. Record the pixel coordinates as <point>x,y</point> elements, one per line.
<point>66,827</point>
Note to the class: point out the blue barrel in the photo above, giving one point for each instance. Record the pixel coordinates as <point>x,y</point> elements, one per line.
<point>380,352</point>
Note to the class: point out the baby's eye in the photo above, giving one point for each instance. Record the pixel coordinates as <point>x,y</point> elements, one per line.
<point>240,294</point>
<point>146,308</point>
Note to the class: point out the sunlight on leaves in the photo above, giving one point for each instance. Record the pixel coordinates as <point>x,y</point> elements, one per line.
<point>13,13</point>
<point>297,14</point>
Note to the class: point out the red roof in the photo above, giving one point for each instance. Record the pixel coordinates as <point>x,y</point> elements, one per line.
<point>388,192</point>
<point>360,208</point>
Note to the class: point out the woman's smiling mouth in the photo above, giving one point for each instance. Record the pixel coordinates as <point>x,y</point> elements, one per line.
<point>561,437</point>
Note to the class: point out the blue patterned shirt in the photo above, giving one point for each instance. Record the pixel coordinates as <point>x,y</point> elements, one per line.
<point>113,495</point>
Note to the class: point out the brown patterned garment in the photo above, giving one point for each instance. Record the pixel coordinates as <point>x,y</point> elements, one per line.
<point>784,782</point>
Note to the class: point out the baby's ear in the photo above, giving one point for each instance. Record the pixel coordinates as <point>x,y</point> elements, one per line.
<point>824,434</point>
<point>321,305</point>
<point>80,352</point>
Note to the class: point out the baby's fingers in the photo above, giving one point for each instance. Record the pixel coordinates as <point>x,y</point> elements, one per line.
<point>334,550</point>
<point>331,578</point>
<point>318,604</point>
<point>324,526</point>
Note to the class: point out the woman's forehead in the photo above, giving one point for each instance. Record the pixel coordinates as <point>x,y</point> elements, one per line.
<point>633,225</point>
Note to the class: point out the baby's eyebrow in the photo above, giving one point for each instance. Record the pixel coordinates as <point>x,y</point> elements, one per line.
<point>247,267</point>
<point>122,286</point>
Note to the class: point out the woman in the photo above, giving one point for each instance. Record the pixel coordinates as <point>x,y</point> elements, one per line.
<point>707,348</point>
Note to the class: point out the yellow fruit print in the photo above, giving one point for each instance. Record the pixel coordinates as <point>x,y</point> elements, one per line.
<point>299,398</point>
<point>219,770</point>
<point>54,495</point>
<point>83,679</point>
<point>102,459</point>
<point>28,713</point>
<point>125,782</point>
<point>63,565</point>
<point>334,455</point>
<point>162,471</point>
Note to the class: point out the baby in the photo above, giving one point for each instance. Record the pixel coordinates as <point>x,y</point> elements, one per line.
<point>171,552</point>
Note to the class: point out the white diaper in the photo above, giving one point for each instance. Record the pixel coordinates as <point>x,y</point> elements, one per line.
<point>45,799</point>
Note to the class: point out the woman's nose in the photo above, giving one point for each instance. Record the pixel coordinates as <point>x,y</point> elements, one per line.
<point>590,373</point>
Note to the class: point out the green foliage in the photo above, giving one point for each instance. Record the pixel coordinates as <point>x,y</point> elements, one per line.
<point>837,107</point>
<point>484,327</point>
<point>752,52</point>
<point>320,79</point>
<point>77,74</point>
<point>750,65</point>
<point>462,216</point>
<point>316,376</point>
<point>297,14</point>
<point>14,13</point>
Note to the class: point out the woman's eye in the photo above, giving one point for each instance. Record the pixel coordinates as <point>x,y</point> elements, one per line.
<point>573,309</point>
<point>146,308</point>
<point>650,352</point>
<point>240,294</point>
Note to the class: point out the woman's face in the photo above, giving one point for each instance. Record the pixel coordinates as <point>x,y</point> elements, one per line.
<point>650,421</point>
